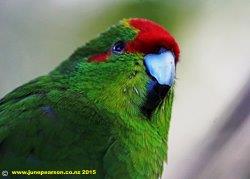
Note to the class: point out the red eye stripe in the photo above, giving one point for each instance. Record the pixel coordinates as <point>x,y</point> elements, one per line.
<point>102,57</point>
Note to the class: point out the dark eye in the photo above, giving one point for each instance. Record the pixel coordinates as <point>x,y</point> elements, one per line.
<point>118,47</point>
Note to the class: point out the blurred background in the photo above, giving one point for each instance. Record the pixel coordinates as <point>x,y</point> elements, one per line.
<point>210,128</point>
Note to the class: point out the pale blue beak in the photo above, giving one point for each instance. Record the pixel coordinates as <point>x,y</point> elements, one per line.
<point>161,67</point>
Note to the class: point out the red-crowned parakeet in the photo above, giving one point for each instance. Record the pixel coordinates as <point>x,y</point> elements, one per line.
<point>106,108</point>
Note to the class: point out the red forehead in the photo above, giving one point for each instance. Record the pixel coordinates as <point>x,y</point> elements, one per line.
<point>150,37</point>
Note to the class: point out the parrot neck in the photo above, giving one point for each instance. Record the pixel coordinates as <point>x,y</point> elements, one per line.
<point>143,141</point>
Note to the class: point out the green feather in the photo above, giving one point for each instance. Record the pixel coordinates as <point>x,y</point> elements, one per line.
<point>87,116</point>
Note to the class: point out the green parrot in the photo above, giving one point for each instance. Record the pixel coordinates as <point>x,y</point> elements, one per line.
<point>105,109</point>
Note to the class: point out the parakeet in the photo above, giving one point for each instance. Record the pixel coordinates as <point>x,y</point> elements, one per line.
<point>106,108</point>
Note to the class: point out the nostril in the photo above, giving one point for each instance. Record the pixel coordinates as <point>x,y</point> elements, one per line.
<point>162,50</point>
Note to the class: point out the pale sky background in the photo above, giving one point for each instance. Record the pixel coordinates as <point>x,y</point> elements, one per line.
<point>215,65</point>
<point>35,36</point>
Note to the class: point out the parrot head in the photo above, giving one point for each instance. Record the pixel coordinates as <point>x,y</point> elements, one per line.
<point>129,68</point>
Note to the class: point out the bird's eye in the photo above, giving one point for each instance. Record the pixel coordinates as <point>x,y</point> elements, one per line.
<point>118,47</point>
